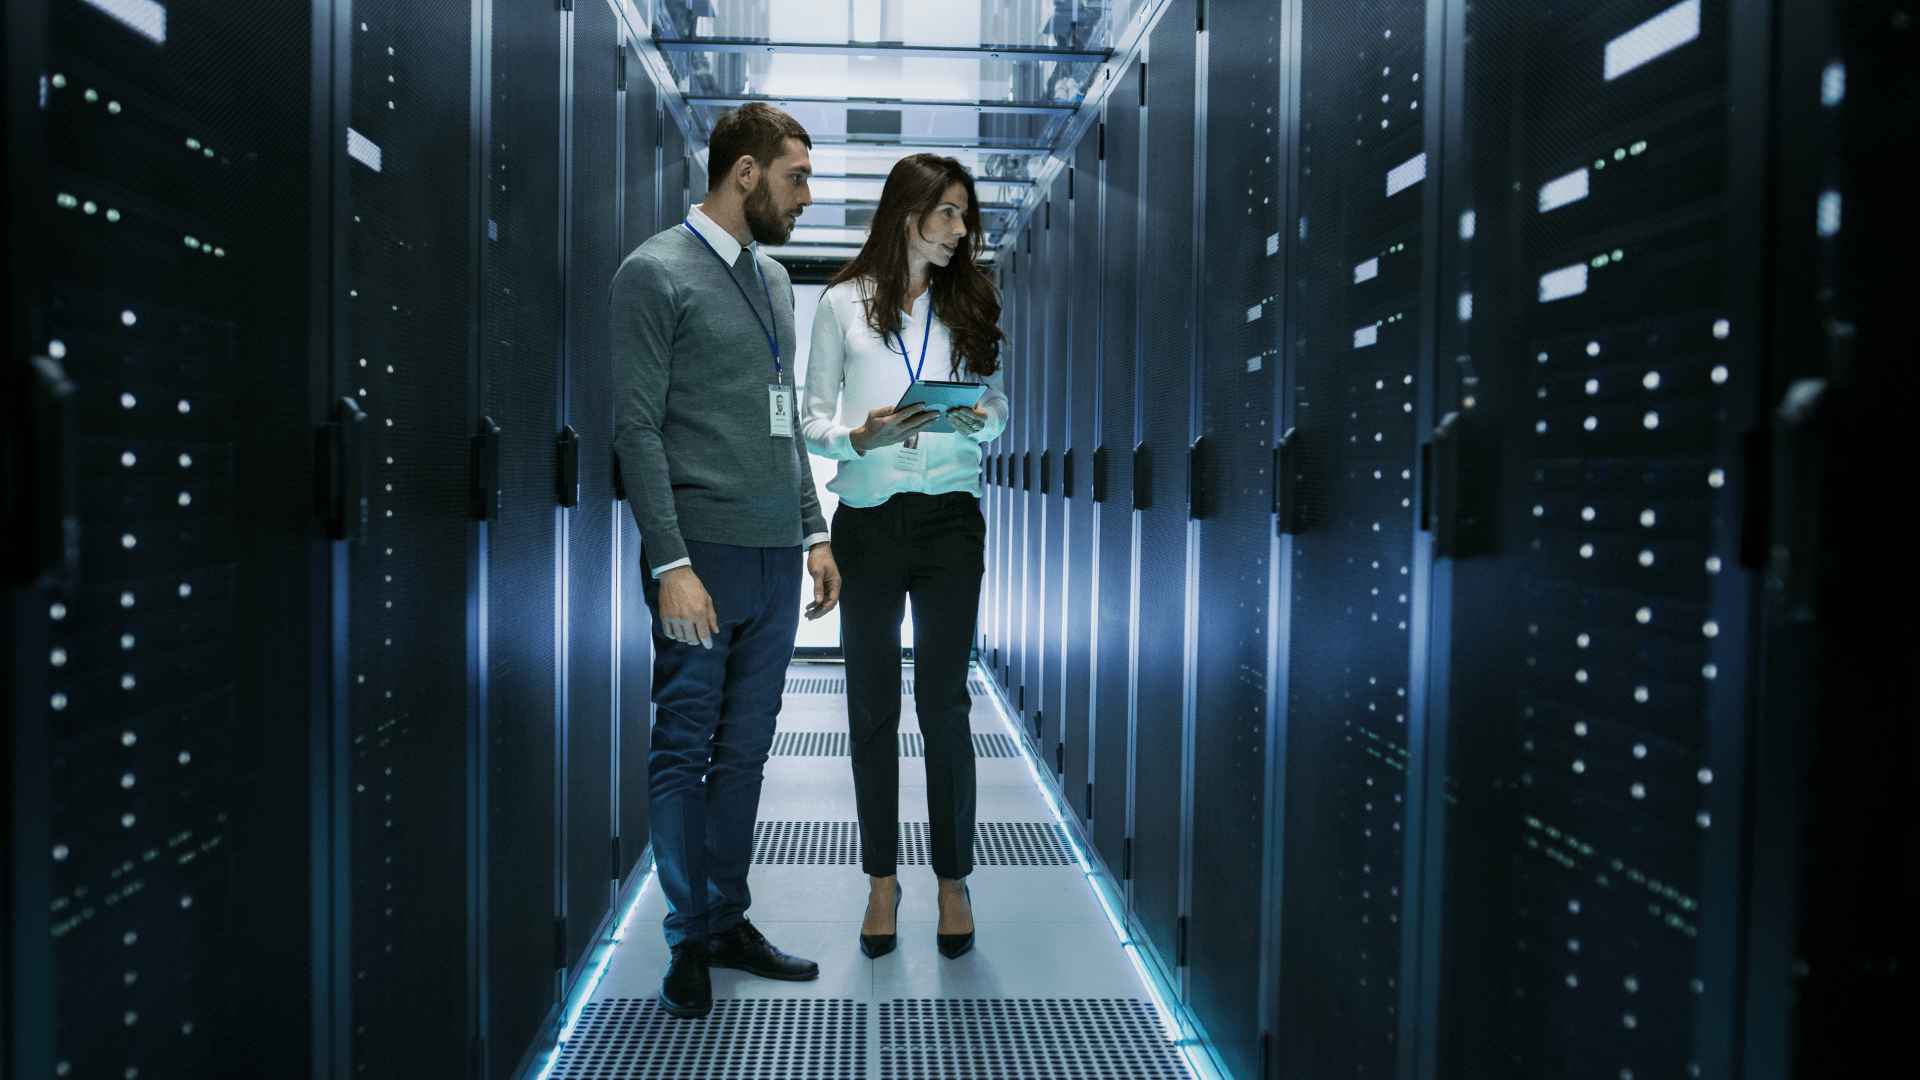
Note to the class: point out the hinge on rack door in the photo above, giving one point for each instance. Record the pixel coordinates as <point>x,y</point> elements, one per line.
<point>560,942</point>
<point>484,461</point>
<point>1143,84</point>
<point>1196,506</point>
<point>1285,493</point>
<point>567,457</point>
<point>344,471</point>
<point>1066,472</point>
<point>1103,140</point>
<point>1089,800</point>
<point>615,865</point>
<point>1059,758</point>
<point>620,68</point>
<point>1126,859</point>
<point>1099,474</point>
<point>1142,480</point>
<point>1180,943</point>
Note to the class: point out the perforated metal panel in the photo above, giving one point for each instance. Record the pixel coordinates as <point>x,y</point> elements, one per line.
<point>1057,267</point>
<point>1120,311</point>
<point>1240,286</point>
<point>1165,378</point>
<point>912,744</point>
<point>1609,360</point>
<point>1034,1038</point>
<point>408,364</point>
<point>817,684</point>
<point>176,287</point>
<point>837,843</point>
<point>595,252</point>
<point>1355,354</point>
<point>522,317</point>
<point>743,1039</point>
<point>1082,358</point>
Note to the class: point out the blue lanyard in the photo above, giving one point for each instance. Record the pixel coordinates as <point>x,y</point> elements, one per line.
<point>913,375</point>
<point>773,340</point>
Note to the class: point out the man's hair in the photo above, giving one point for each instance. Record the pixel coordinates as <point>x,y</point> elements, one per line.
<point>758,129</point>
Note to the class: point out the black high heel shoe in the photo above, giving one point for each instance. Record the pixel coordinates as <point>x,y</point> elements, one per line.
<point>879,945</point>
<point>957,945</point>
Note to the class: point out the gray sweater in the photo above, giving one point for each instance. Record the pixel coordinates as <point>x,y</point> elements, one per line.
<point>691,369</point>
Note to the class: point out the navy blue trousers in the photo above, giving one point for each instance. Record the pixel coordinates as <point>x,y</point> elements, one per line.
<point>713,729</point>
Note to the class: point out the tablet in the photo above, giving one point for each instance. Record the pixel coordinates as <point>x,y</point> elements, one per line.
<point>941,396</point>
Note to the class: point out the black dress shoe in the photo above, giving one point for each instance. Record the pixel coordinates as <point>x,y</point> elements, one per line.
<point>745,948</point>
<point>879,945</point>
<point>956,945</point>
<point>687,990</point>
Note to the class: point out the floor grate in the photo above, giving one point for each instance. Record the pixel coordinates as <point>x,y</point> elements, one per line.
<point>1029,1038</point>
<point>816,684</point>
<point>837,843</point>
<point>743,1039</point>
<point>912,744</point>
<point>837,684</point>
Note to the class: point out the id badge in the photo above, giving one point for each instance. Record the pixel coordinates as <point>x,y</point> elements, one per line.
<point>779,411</point>
<point>911,456</point>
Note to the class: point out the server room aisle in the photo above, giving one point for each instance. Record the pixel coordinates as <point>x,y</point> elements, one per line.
<point>1048,991</point>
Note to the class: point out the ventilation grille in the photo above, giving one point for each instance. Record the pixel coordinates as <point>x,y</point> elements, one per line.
<point>816,684</point>
<point>1037,1038</point>
<point>748,1039</point>
<point>837,843</point>
<point>837,684</point>
<point>912,744</point>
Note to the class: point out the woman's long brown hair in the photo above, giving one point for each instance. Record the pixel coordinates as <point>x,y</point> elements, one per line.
<point>963,295</point>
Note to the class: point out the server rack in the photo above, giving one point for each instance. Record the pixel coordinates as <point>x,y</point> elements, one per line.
<point>1080,564</point>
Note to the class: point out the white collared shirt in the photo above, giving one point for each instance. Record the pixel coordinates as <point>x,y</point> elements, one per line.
<point>728,248</point>
<point>851,370</point>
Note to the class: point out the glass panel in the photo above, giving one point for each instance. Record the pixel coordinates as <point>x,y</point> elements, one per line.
<point>838,188</point>
<point>837,124</point>
<point>1075,23</point>
<point>880,74</point>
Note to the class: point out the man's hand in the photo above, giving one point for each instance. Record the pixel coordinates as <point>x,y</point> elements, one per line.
<point>686,611</point>
<point>967,420</point>
<point>884,427</point>
<point>826,580</point>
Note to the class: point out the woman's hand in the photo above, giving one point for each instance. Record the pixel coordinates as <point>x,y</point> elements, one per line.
<point>884,427</point>
<point>968,420</point>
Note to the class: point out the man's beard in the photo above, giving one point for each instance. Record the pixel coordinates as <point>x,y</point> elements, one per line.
<point>767,224</point>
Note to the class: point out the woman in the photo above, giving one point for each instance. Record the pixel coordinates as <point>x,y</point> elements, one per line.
<point>909,522</point>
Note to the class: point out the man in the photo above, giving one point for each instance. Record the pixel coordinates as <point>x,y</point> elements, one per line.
<point>722,492</point>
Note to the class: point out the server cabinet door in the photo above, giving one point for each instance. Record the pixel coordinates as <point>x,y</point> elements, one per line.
<point>593,256</point>
<point>521,352</point>
<point>1166,398</point>
<point>1240,287</point>
<point>1113,473</point>
<point>677,181</point>
<point>1353,345</point>
<point>633,636</point>
<point>1835,745</point>
<point>407,361</point>
<point>1053,493</point>
<point>1028,356</point>
<point>1084,286</point>
<point>174,174</point>
<point>1606,270</point>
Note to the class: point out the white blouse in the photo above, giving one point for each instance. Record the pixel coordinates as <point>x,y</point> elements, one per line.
<point>851,371</point>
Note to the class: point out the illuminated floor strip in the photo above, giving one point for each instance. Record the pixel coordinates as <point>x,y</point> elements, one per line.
<point>1197,1056</point>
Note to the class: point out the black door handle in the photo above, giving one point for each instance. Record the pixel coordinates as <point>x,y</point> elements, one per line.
<point>483,455</point>
<point>1196,507</point>
<point>1099,474</point>
<point>1142,480</point>
<point>567,453</point>
<point>40,489</point>
<point>1285,493</point>
<point>344,472</point>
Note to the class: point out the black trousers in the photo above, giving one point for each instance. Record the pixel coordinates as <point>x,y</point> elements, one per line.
<point>932,548</point>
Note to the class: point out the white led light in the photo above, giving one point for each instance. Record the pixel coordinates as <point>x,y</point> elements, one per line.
<point>1593,386</point>
<point>1719,375</point>
<point>1710,628</point>
<point>1588,513</point>
<point>1651,381</point>
<point>1717,478</point>
<point>1586,551</point>
<point>1640,751</point>
<point>57,349</point>
<point>1833,84</point>
<point>1591,423</point>
<point>1646,557</point>
<point>57,612</point>
<point>186,461</point>
<point>1652,39</point>
<point>1570,188</point>
<point>1713,564</point>
<point>1639,790</point>
<point>186,590</point>
<point>1366,271</point>
<point>1721,328</point>
<point>128,401</point>
<point>363,150</point>
<point>185,499</point>
<point>128,459</point>
<point>128,738</point>
<point>1640,694</point>
<point>1584,640</point>
<point>143,17</point>
<point>127,682</point>
<point>1643,616</point>
<point>128,318</point>
<point>126,599</point>
<point>185,407</point>
<point>1562,283</point>
<point>1406,174</point>
<point>1579,766</point>
<point>1647,519</point>
<point>1710,671</point>
<point>1827,223</point>
<point>1467,224</point>
<point>1651,420</point>
<point>59,702</point>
